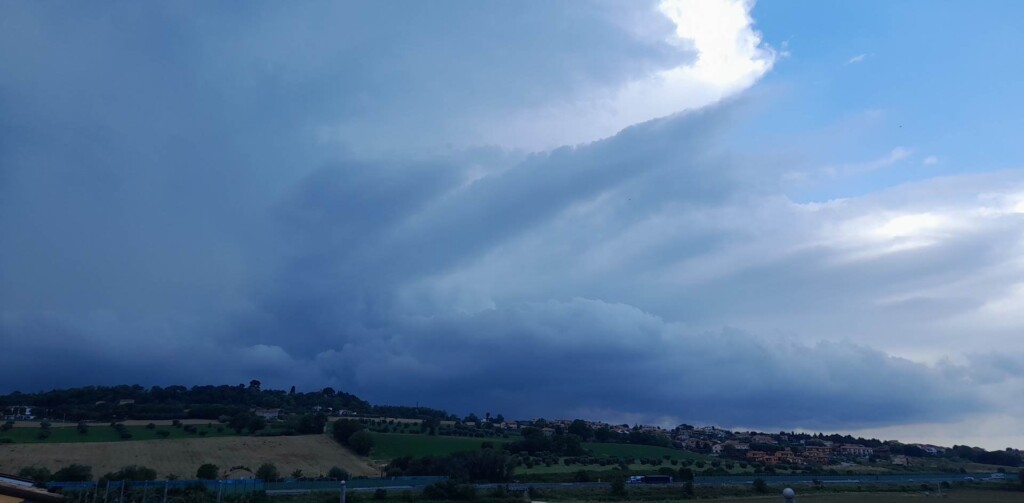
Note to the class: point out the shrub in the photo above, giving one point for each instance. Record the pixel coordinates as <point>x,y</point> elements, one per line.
<point>760,486</point>
<point>38,474</point>
<point>163,433</point>
<point>267,472</point>
<point>207,471</point>
<point>380,494</point>
<point>337,473</point>
<point>450,491</point>
<point>618,488</point>
<point>131,472</point>
<point>361,442</point>
<point>73,473</point>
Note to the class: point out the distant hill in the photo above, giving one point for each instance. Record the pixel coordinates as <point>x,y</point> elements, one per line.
<point>134,402</point>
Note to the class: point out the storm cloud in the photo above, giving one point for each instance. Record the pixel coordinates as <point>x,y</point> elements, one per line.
<point>304,197</point>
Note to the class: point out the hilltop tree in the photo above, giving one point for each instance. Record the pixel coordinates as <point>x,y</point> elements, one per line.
<point>328,391</point>
<point>254,385</point>
<point>581,429</point>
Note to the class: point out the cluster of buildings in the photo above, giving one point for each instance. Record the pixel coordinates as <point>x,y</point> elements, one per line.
<point>794,449</point>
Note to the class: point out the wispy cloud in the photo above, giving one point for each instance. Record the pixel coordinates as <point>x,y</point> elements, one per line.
<point>856,59</point>
<point>930,160</point>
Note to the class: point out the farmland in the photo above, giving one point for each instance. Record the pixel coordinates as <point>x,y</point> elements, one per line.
<point>313,454</point>
<point>638,451</point>
<point>106,433</point>
<point>392,445</point>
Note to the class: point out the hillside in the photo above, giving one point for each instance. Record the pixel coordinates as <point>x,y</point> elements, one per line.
<point>313,454</point>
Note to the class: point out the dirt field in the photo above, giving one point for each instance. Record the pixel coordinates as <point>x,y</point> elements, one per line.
<point>313,454</point>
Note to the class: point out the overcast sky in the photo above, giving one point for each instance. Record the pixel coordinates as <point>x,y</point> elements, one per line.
<point>777,216</point>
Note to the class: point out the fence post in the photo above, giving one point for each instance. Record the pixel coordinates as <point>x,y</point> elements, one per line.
<point>341,496</point>
<point>145,491</point>
<point>166,483</point>
<point>220,489</point>
<point>106,492</point>
<point>121,498</point>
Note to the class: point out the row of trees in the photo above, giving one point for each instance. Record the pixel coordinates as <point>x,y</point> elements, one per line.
<point>137,473</point>
<point>102,403</point>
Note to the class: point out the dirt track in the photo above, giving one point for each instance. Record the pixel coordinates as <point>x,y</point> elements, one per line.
<point>313,454</point>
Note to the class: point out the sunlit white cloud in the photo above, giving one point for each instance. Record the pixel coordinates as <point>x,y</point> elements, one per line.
<point>728,56</point>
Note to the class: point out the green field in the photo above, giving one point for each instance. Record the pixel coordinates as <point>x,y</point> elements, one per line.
<point>638,451</point>
<point>105,433</point>
<point>948,497</point>
<point>393,445</point>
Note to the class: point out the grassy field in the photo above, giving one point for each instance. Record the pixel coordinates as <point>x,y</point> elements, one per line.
<point>105,433</point>
<point>638,451</point>
<point>964,496</point>
<point>313,454</point>
<point>393,445</point>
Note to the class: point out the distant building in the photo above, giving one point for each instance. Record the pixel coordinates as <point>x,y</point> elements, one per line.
<point>268,414</point>
<point>900,460</point>
<point>19,413</point>
<point>818,455</point>
<point>855,450</point>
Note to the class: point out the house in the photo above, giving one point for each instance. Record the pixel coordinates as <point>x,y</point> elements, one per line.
<point>855,450</point>
<point>739,446</point>
<point>762,439</point>
<point>19,413</point>
<point>783,456</point>
<point>18,490</point>
<point>818,455</point>
<point>900,460</point>
<point>757,455</point>
<point>268,414</point>
<point>126,401</point>
<point>717,448</point>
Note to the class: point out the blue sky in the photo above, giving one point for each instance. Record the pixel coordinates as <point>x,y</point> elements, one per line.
<point>678,211</point>
<point>940,75</point>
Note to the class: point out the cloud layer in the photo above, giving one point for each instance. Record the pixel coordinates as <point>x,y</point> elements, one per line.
<point>224,197</point>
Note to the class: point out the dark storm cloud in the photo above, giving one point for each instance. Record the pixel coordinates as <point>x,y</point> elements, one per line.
<point>259,193</point>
